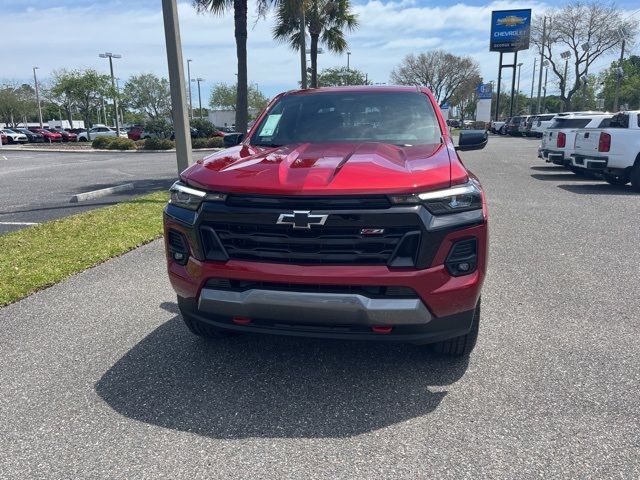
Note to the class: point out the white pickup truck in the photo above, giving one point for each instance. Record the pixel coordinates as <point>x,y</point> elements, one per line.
<point>558,141</point>
<point>613,151</point>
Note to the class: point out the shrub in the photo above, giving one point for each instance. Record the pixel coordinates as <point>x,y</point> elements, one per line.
<point>214,142</point>
<point>158,144</point>
<point>102,143</point>
<point>121,144</point>
<point>205,127</point>
<point>159,126</point>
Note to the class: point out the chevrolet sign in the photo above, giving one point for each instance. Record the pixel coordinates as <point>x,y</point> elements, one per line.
<point>510,30</point>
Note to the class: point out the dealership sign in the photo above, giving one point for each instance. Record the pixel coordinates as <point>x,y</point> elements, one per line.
<point>510,30</point>
<point>484,91</point>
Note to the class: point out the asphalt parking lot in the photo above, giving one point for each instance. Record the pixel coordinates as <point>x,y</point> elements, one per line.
<point>99,378</point>
<point>37,186</point>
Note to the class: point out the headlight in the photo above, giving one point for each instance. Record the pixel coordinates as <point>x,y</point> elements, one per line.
<point>461,198</point>
<point>191,198</point>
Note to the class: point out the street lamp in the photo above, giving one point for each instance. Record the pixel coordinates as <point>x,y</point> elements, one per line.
<point>586,46</point>
<point>111,56</point>
<point>518,90</point>
<point>35,81</point>
<point>565,56</point>
<point>622,35</point>
<point>348,58</point>
<point>199,97</point>
<point>545,64</point>
<point>189,83</point>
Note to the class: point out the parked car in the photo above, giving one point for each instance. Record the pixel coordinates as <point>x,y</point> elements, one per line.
<point>77,131</point>
<point>453,123</point>
<point>379,213</point>
<point>15,137</point>
<point>48,136</point>
<point>100,131</point>
<point>612,150</point>
<point>66,136</point>
<point>32,137</point>
<point>513,126</point>
<point>499,126</point>
<point>134,132</point>
<point>540,123</point>
<point>558,141</point>
<point>525,126</point>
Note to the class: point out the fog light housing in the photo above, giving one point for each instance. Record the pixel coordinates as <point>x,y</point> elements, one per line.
<point>177,247</point>
<point>463,257</point>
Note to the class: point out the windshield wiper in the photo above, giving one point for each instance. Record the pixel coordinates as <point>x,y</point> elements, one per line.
<point>271,145</point>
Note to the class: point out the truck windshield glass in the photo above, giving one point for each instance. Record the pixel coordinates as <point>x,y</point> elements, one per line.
<point>562,122</point>
<point>399,118</point>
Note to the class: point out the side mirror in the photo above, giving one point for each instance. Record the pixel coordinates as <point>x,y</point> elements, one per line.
<point>232,139</point>
<point>472,140</point>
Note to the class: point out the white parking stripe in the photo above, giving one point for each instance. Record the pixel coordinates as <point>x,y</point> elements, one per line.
<point>19,223</point>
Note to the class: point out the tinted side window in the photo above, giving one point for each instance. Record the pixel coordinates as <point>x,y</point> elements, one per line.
<point>570,123</point>
<point>605,123</point>
<point>620,121</point>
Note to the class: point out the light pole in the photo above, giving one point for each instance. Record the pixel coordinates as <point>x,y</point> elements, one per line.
<point>111,56</point>
<point>619,71</point>
<point>199,96</point>
<point>189,83</point>
<point>565,55</point>
<point>518,89</point>
<point>545,64</point>
<point>533,82</point>
<point>35,81</point>
<point>586,47</point>
<point>544,40</point>
<point>348,58</point>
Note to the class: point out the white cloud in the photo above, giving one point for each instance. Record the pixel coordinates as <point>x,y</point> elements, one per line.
<point>58,37</point>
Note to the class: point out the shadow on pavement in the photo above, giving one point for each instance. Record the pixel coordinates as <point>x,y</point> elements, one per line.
<point>549,168</point>
<point>269,386</point>
<point>599,189</point>
<point>562,177</point>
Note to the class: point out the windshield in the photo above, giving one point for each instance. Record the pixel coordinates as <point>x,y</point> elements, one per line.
<point>400,118</point>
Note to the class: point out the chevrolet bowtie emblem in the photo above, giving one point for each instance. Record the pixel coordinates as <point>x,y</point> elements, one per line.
<point>301,219</point>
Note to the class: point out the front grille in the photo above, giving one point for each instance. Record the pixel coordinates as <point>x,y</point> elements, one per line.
<point>317,245</point>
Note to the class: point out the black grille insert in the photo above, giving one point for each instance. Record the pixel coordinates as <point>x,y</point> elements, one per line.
<point>309,203</point>
<point>317,245</point>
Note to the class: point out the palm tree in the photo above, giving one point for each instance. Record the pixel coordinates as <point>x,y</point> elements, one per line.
<point>219,7</point>
<point>326,21</point>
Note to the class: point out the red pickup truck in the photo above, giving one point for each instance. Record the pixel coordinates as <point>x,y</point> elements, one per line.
<point>343,213</point>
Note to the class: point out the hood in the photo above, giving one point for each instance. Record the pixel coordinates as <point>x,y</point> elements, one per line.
<point>324,169</point>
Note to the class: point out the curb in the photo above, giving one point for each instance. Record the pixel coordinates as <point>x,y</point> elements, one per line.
<point>103,192</point>
<point>53,150</point>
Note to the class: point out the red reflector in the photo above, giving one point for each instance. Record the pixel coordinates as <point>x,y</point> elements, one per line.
<point>241,320</point>
<point>385,329</point>
<point>562,140</point>
<point>604,142</point>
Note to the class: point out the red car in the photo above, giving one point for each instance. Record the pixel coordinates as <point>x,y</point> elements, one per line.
<point>4,139</point>
<point>48,135</point>
<point>344,213</point>
<point>66,136</point>
<point>135,132</point>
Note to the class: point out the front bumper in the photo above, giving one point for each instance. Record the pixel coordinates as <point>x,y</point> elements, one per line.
<point>326,300</point>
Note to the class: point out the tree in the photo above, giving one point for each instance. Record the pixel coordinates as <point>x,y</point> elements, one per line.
<point>205,127</point>
<point>629,83</point>
<point>239,7</point>
<point>338,76</point>
<point>587,30</point>
<point>149,94</point>
<point>466,97</point>
<point>443,72</point>
<point>83,88</point>
<point>158,126</point>
<point>223,97</point>
<point>16,103</point>
<point>325,20</point>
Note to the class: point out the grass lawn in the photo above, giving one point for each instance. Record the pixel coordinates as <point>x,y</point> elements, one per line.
<point>37,257</point>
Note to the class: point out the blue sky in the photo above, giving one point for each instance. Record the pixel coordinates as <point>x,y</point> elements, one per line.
<point>70,34</point>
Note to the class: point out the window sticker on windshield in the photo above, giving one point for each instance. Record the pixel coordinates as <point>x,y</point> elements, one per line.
<point>269,126</point>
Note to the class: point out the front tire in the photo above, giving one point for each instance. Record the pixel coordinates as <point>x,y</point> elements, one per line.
<point>463,345</point>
